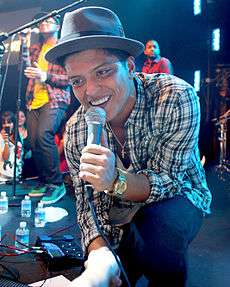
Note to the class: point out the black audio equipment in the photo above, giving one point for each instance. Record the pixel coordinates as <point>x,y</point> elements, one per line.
<point>60,252</point>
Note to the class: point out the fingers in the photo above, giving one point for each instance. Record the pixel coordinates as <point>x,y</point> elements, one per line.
<point>115,282</point>
<point>97,165</point>
<point>93,175</point>
<point>95,149</point>
<point>95,159</point>
<point>90,172</point>
<point>33,72</point>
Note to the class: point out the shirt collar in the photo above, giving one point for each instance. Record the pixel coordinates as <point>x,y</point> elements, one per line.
<point>134,116</point>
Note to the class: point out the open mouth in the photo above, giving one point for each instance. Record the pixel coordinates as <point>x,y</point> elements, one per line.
<point>100,101</point>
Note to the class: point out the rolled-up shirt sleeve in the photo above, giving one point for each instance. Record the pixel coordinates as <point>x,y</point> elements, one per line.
<point>178,135</point>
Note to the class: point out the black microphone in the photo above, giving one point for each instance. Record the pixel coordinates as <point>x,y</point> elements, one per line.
<point>95,118</point>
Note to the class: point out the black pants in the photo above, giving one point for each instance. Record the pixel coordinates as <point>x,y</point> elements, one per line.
<point>155,244</point>
<point>42,124</point>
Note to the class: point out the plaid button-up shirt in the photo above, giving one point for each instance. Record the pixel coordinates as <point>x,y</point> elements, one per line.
<point>57,82</point>
<point>162,141</point>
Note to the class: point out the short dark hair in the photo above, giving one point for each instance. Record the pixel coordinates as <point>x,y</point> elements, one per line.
<point>8,116</point>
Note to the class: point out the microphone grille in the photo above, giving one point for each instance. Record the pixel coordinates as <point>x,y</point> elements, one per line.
<point>96,115</point>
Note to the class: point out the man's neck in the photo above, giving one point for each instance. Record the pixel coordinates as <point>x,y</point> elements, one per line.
<point>155,58</point>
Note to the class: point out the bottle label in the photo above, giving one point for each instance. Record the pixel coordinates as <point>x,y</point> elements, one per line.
<point>23,237</point>
<point>40,219</point>
<point>3,206</point>
<point>26,209</point>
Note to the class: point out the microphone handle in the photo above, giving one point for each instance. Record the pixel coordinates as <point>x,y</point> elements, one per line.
<point>94,133</point>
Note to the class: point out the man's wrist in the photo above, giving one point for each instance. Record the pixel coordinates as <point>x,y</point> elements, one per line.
<point>109,190</point>
<point>100,249</point>
<point>96,244</point>
<point>119,184</point>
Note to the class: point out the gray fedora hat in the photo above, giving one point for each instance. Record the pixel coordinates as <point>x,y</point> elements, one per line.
<point>92,28</point>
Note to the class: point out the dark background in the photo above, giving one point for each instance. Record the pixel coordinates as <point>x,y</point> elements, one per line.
<point>184,38</point>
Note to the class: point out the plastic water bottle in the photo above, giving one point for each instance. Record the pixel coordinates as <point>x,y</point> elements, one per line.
<point>22,235</point>
<point>26,207</point>
<point>3,203</point>
<point>40,216</point>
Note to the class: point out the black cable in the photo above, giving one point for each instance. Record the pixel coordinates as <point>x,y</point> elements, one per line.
<point>43,283</point>
<point>89,193</point>
<point>63,229</point>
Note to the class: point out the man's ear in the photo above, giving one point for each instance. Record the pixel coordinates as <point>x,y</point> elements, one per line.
<point>131,66</point>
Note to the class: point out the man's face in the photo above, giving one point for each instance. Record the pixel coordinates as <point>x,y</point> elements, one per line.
<point>48,26</point>
<point>102,80</point>
<point>152,49</point>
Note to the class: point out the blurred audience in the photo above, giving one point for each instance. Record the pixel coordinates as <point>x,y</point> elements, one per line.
<point>23,133</point>
<point>7,148</point>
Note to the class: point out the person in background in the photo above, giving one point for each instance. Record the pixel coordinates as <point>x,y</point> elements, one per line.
<point>23,133</point>
<point>48,96</point>
<point>154,62</point>
<point>29,168</point>
<point>7,148</point>
<point>59,140</point>
<point>146,182</point>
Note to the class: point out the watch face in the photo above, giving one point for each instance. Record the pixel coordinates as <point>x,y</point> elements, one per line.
<point>122,186</point>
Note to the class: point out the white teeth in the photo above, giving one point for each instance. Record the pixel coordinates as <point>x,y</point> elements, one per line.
<point>99,101</point>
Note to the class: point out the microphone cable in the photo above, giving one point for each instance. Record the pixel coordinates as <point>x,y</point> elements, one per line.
<point>89,194</point>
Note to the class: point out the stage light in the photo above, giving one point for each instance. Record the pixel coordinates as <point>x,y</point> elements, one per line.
<point>197,80</point>
<point>216,39</point>
<point>197,7</point>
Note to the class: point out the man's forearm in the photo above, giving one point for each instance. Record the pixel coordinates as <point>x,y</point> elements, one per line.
<point>138,187</point>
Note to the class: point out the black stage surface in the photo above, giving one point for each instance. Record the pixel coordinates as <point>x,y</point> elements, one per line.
<point>209,254</point>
